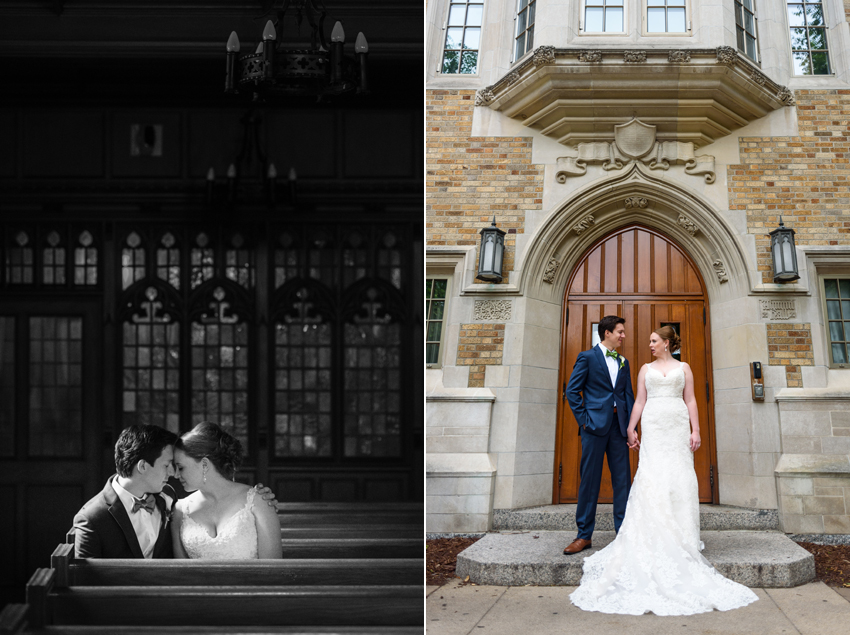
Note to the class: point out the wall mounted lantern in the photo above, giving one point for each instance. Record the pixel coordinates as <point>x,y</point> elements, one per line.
<point>784,255</point>
<point>491,254</point>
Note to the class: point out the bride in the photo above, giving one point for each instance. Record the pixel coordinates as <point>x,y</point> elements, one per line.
<point>654,564</point>
<point>219,520</point>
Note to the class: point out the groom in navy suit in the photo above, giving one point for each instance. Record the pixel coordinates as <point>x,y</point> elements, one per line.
<point>601,398</point>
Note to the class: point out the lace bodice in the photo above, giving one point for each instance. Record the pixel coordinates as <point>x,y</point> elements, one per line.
<point>654,564</point>
<point>237,539</point>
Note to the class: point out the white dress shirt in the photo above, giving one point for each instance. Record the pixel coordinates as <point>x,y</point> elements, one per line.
<point>613,366</point>
<point>145,525</point>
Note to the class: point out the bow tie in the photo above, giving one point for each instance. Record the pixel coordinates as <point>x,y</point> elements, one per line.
<point>147,503</point>
<point>611,354</point>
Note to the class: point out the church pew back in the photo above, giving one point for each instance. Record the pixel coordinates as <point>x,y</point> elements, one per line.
<point>341,548</point>
<point>230,630</point>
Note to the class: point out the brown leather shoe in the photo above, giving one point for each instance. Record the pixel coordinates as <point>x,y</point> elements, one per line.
<point>579,544</point>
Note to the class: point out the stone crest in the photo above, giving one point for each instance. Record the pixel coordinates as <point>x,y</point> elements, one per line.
<point>551,270</point>
<point>720,270</point>
<point>785,95</point>
<point>636,201</point>
<point>583,224</point>
<point>484,96</point>
<point>687,224</point>
<point>543,55</point>
<point>727,55</point>
<point>512,77</point>
<point>634,57</point>
<point>590,56</point>
<point>778,309</point>
<point>679,56</point>
<point>758,78</point>
<point>634,139</point>
<point>492,310</point>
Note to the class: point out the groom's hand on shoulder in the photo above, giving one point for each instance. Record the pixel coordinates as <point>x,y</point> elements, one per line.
<point>267,495</point>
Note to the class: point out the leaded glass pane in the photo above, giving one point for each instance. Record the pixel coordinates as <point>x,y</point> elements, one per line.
<point>132,261</point>
<point>55,381</point>
<point>168,261</point>
<point>85,260</point>
<point>462,15</point>
<point>434,320</point>
<point>202,262</point>
<point>239,263</point>
<point>20,261</point>
<point>7,386</point>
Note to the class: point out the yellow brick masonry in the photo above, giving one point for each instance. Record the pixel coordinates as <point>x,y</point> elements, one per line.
<point>479,346</point>
<point>805,179</point>
<point>470,179</point>
<point>790,345</point>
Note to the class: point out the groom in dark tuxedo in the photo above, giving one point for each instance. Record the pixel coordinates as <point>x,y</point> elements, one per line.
<point>601,398</point>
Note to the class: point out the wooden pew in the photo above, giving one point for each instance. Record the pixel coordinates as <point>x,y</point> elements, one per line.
<point>229,630</point>
<point>71,572</point>
<point>347,514</point>
<point>13,618</point>
<point>328,605</point>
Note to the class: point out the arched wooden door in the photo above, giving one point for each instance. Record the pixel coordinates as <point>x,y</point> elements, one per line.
<point>643,276</point>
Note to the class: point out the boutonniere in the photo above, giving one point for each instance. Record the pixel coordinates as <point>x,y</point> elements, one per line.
<point>622,361</point>
<point>169,507</point>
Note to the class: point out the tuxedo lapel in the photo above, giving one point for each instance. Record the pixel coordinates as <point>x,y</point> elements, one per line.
<point>602,364</point>
<point>119,513</point>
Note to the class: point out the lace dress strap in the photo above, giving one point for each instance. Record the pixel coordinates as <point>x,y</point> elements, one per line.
<point>250,502</point>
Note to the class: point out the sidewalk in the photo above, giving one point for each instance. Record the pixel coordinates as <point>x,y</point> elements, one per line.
<point>455,609</point>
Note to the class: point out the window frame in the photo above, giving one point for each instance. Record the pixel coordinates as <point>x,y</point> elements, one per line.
<point>790,49</point>
<point>445,35</point>
<point>736,3</point>
<point>514,57</point>
<point>645,32</point>
<point>447,276</point>
<point>827,337</point>
<point>583,22</point>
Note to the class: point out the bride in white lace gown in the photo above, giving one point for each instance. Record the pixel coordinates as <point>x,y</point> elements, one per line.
<point>219,520</point>
<point>654,564</point>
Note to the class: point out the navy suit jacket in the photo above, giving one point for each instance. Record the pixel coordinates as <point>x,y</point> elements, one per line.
<point>102,528</point>
<point>591,395</point>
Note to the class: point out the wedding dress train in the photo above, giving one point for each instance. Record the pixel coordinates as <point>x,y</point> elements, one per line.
<point>237,539</point>
<point>654,563</point>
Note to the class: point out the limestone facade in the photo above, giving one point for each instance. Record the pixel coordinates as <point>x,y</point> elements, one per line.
<point>491,439</point>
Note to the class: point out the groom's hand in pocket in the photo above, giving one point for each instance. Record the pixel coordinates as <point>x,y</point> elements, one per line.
<point>267,495</point>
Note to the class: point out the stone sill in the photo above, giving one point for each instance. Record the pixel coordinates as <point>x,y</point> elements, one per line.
<point>454,465</point>
<point>812,394</point>
<point>816,465</point>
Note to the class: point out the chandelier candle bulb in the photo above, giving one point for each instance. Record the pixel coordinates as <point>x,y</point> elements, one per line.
<point>210,185</point>
<point>232,50</point>
<point>337,43</point>
<point>231,184</point>
<point>269,36</point>
<point>271,184</point>
<point>361,49</point>
<point>292,177</point>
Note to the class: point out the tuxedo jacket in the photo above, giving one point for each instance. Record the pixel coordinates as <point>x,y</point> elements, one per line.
<point>103,528</point>
<point>591,395</point>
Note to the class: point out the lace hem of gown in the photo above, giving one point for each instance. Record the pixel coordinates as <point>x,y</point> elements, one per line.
<point>237,539</point>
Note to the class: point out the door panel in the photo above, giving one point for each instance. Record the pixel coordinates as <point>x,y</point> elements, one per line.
<point>645,278</point>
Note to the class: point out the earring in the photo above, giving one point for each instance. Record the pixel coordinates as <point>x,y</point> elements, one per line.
<point>205,472</point>
<point>665,348</point>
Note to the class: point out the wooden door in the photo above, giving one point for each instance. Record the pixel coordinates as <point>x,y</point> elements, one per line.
<point>647,279</point>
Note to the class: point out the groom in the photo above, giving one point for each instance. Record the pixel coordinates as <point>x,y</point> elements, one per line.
<point>129,517</point>
<point>601,398</point>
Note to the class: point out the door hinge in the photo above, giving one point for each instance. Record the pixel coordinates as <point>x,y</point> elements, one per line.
<point>711,477</point>
<point>707,392</point>
<point>561,473</point>
<point>564,393</point>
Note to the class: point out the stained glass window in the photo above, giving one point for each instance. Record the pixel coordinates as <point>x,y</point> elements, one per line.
<point>372,387</point>
<point>132,260</point>
<point>321,256</point>
<point>239,262</point>
<point>355,255</point>
<point>151,380</point>
<point>203,260</point>
<point>220,368</point>
<point>85,260</point>
<point>463,37</point>
<point>810,53</point>
<point>168,260</point>
<point>55,380</point>
<point>389,258</point>
<point>303,367</point>
<point>7,386</point>
<point>286,258</point>
<point>53,260</point>
<point>837,292</point>
<point>20,265</point>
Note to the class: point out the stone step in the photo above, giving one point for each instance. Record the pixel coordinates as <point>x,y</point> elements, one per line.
<point>753,558</point>
<point>563,518</point>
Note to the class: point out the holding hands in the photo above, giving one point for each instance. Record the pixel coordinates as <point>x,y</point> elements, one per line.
<point>695,441</point>
<point>633,441</point>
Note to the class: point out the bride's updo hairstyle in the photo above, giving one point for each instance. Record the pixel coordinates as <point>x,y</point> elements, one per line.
<point>667,333</point>
<point>209,440</point>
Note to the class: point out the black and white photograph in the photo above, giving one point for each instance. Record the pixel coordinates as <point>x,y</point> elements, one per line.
<point>211,323</point>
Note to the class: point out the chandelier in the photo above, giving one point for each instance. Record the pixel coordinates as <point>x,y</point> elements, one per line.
<point>273,71</point>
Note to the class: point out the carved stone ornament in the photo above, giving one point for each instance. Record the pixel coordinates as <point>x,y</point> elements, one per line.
<point>720,270</point>
<point>583,224</point>
<point>786,96</point>
<point>778,309</point>
<point>492,310</point>
<point>512,77</point>
<point>679,56</point>
<point>634,57</point>
<point>590,56</point>
<point>687,224</point>
<point>758,78</point>
<point>727,55</point>
<point>636,201</point>
<point>635,141</point>
<point>543,55</point>
<point>551,270</point>
<point>484,96</point>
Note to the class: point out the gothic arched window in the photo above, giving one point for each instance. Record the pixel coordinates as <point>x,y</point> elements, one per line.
<point>85,260</point>
<point>53,259</point>
<point>20,264</point>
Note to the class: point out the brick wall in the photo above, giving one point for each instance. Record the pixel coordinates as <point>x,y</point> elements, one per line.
<point>790,345</point>
<point>479,346</point>
<point>805,179</point>
<point>469,179</point>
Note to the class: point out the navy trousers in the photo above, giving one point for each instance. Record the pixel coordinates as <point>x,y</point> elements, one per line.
<point>593,450</point>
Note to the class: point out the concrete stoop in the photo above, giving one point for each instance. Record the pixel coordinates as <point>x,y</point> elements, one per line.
<point>527,548</point>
